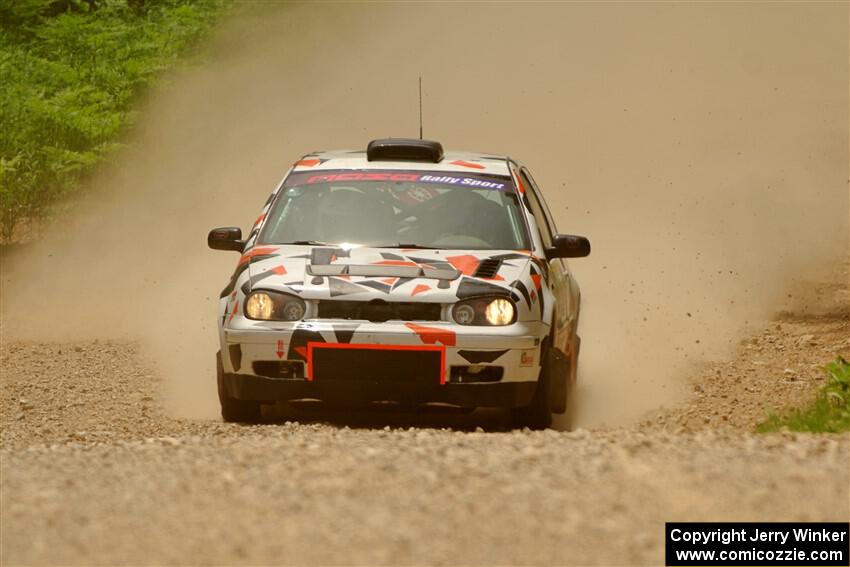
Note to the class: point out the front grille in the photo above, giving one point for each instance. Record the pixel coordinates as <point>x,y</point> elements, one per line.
<point>377,364</point>
<point>379,311</point>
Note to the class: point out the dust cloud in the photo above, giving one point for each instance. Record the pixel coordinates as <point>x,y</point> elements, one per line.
<point>703,148</point>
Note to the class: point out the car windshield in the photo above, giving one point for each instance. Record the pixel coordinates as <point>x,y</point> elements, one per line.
<point>397,208</point>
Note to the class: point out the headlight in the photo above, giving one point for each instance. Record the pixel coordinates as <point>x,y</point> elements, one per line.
<point>464,314</point>
<point>259,306</point>
<point>499,312</point>
<point>496,311</point>
<point>273,306</point>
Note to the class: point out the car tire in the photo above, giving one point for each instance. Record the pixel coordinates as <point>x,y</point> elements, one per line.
<point>568,420</point>
<point>233,410</point>
<point>538,414</point>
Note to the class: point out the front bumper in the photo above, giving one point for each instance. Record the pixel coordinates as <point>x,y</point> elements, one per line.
<point>261,389</point>
<point>508,356</point>
<point>515,348</point>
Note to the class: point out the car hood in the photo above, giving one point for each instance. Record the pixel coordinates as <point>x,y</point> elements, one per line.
<point>390,274</point>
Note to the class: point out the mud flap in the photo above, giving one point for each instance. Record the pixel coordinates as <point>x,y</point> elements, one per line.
<point>558,365</point>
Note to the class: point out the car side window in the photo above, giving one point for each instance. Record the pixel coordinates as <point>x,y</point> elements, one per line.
<point>550,220</point>
<point>537,210</point>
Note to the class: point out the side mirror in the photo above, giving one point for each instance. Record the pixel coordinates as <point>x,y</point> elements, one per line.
<point>568,246</point>
<point>227,238</point>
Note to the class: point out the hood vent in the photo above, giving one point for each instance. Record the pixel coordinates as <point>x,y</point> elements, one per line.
<point>488,268</point>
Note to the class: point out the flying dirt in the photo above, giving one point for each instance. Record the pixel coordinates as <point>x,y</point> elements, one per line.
<point>703,148</point>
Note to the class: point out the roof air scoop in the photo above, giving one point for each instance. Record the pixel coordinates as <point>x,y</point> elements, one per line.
<point>403,149</point>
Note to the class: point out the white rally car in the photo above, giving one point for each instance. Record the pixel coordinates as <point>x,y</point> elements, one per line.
<point>404,274</point>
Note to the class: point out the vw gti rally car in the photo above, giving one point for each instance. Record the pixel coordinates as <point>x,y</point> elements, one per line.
<point>403,274</point>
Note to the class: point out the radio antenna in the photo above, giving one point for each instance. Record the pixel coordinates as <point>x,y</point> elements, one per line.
<point>420,107</point>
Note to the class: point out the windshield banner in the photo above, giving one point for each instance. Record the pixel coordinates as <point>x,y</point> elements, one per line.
<point>443,178</point>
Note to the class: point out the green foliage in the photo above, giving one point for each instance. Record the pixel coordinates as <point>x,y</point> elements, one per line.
<point>71,72</point>
<point>830,412</point>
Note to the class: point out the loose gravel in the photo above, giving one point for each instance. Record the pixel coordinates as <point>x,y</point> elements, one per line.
<point>328,495</point>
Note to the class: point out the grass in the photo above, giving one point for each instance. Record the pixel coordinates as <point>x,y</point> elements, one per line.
<point>72,74</point>
<point>829,413</point>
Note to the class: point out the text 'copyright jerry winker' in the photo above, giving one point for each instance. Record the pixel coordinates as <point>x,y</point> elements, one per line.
<point>754,543</point>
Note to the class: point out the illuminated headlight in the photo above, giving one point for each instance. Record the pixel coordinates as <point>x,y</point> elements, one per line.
<point>273,306</point>
<point>484,311</point>
<point>499,312</point>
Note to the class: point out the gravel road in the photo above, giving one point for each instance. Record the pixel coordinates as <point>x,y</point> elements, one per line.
<point>95,472</point>
<point>321,494</point>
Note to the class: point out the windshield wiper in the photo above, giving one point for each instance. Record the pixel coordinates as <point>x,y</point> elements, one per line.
<point>411,246</point>
<point>399,245</point>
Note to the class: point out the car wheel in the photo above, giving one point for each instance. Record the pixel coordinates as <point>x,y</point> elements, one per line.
<point>538,414</point>
<point>568,420</point>
<point>233,410</point>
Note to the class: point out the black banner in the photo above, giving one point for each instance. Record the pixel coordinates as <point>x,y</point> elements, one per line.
<point>755,543</point>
